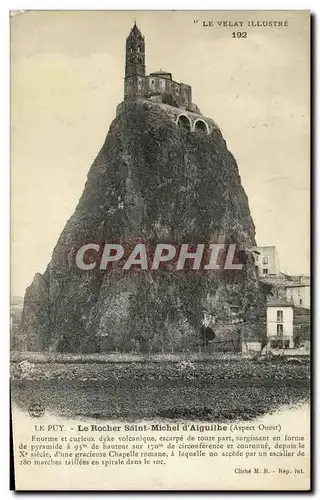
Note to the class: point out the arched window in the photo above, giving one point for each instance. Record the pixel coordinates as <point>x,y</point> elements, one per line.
<point>201,127</point>
<point>184,122</point>
<point>139,48</point>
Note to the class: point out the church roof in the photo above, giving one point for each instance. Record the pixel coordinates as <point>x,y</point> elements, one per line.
<point>135,30</point>
<point>164,74</point>
<point>160,72</point>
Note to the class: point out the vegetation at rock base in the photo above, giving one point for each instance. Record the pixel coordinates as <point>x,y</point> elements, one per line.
<point>213,391</point>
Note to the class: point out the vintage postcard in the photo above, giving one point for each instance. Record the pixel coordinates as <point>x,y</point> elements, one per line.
<point>160,281</point>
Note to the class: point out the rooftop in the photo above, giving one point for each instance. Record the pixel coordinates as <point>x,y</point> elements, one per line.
<point>164,74</point>
<point>279,303</point>
<point>135,30</point>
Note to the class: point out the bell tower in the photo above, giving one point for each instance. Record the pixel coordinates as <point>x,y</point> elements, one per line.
<point>135,64</point>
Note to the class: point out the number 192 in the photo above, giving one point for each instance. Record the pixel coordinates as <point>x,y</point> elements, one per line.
<point>239,34</point>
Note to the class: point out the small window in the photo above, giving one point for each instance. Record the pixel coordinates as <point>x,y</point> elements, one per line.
<point>139,48</point>
<point>265,260</point>
<point>279,329</point>
<point>300,302</point>
<point>280,316</point>
<point>152,82</point>
<point>265,271</point>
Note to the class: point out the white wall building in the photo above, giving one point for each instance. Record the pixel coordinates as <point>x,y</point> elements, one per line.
<point>280,324</point>
<point>298,291</point>
<point>266,259</point>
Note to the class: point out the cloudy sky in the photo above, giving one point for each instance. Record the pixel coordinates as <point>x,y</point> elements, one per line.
<point>67,71</point>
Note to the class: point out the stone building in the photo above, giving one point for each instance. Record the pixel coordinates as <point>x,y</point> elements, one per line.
<point>159,89</point>
<point>138,84</point>
<point>298,291</point>
<point>293,289</point>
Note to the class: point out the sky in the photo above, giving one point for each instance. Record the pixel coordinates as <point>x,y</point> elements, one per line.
<point>67,70</point>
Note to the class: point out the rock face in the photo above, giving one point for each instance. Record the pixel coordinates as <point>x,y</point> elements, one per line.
<point>151,181</point>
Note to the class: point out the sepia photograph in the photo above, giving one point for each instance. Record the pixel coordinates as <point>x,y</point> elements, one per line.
<point>160,250</point>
